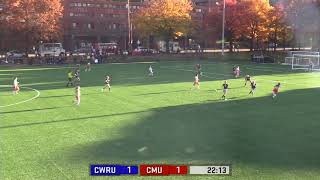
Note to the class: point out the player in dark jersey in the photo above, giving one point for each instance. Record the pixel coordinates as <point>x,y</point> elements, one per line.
<point>76,77</point>
<point>107,83</point>
<point>225,90</point>
<point>198,69</point>
<point>253,87</point>
<point>247,79</point>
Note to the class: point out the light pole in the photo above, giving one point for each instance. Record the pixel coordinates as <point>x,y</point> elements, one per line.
<point>129,28</point>
<point>223,24</point>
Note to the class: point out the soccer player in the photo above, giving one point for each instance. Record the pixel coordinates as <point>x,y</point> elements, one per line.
<point>88,67</point>
<point>247,79</point>
<point>311,65</point>
<point>275,90</point>
<point>70,77</point>
<point>237,72</point>
<point>16,87</point>
<point>253,87</point>
<point>196,83</point>
<point>77,95</point>
<point>150,71</point>
<point>225,86</point>
<point>76,77</point>
<point>78,67</point>
<point>198,69</point>
<point>107,83</point>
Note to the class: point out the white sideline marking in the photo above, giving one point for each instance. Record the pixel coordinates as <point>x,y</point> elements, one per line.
<point>188,70</point>
<point>21,102</point>
<point>257,69</point>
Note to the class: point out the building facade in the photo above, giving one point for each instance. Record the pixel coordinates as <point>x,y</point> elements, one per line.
<point>91,21</point>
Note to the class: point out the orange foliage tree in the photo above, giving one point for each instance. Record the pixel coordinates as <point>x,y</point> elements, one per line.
<point>34,19</point>
<point>243,19</point>
<point>278,27</point>
<point>257,21</point>
<point>235,13</point>
<point>163,19</point>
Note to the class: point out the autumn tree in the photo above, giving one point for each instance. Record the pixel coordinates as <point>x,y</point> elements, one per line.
<point>256,20</point>
<point>278,28</point>
<point>35,19</point>
<point>235,13</point>
<point>163,19</point>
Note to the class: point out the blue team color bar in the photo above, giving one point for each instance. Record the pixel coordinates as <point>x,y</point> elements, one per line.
<point>112,170</point>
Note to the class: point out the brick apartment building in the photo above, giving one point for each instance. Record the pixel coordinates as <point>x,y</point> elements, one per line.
<point>91,21</point>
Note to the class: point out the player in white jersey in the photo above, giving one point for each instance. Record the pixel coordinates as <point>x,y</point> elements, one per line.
<point>88,67</point>
<point>237,72</point>
<point>150,71</point>
<point>196,83</point>
<point>77,95</point>
<point>16,87</point>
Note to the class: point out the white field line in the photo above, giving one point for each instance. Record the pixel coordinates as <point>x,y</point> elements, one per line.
<point>21,102</point>
<point>189,70</point>
<point>35,69</point>
<point>268,70</point>
<point>245,66</point>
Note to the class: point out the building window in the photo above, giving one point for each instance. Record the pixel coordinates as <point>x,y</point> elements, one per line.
<point>79,14</point>
<point>198,10</point>
<point>74,25</point>
<point>73,4</point>
<point>90,26</point>
<point>84,4</point>
<point>90,5</point>
<point>71,14</point>
<point>114,26</point>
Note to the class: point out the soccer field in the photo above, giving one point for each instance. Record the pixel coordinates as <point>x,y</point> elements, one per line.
<point>160,120</point>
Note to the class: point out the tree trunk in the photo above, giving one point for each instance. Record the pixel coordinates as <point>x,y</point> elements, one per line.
<point>231,46</point>
<point>284,42</point>
<point>275,39</point>
<point>251,44</point>
<point>167,45</point>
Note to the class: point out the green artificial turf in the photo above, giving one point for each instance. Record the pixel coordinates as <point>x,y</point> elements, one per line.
<point>263,138</point>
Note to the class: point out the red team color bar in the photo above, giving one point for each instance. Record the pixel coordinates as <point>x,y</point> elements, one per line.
<point>162,170</point>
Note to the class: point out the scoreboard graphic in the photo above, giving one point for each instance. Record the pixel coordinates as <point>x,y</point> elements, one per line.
<point>158,170</point>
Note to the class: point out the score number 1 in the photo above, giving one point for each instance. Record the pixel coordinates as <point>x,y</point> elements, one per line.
<point>129,169</point>
<point>178,170</point>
